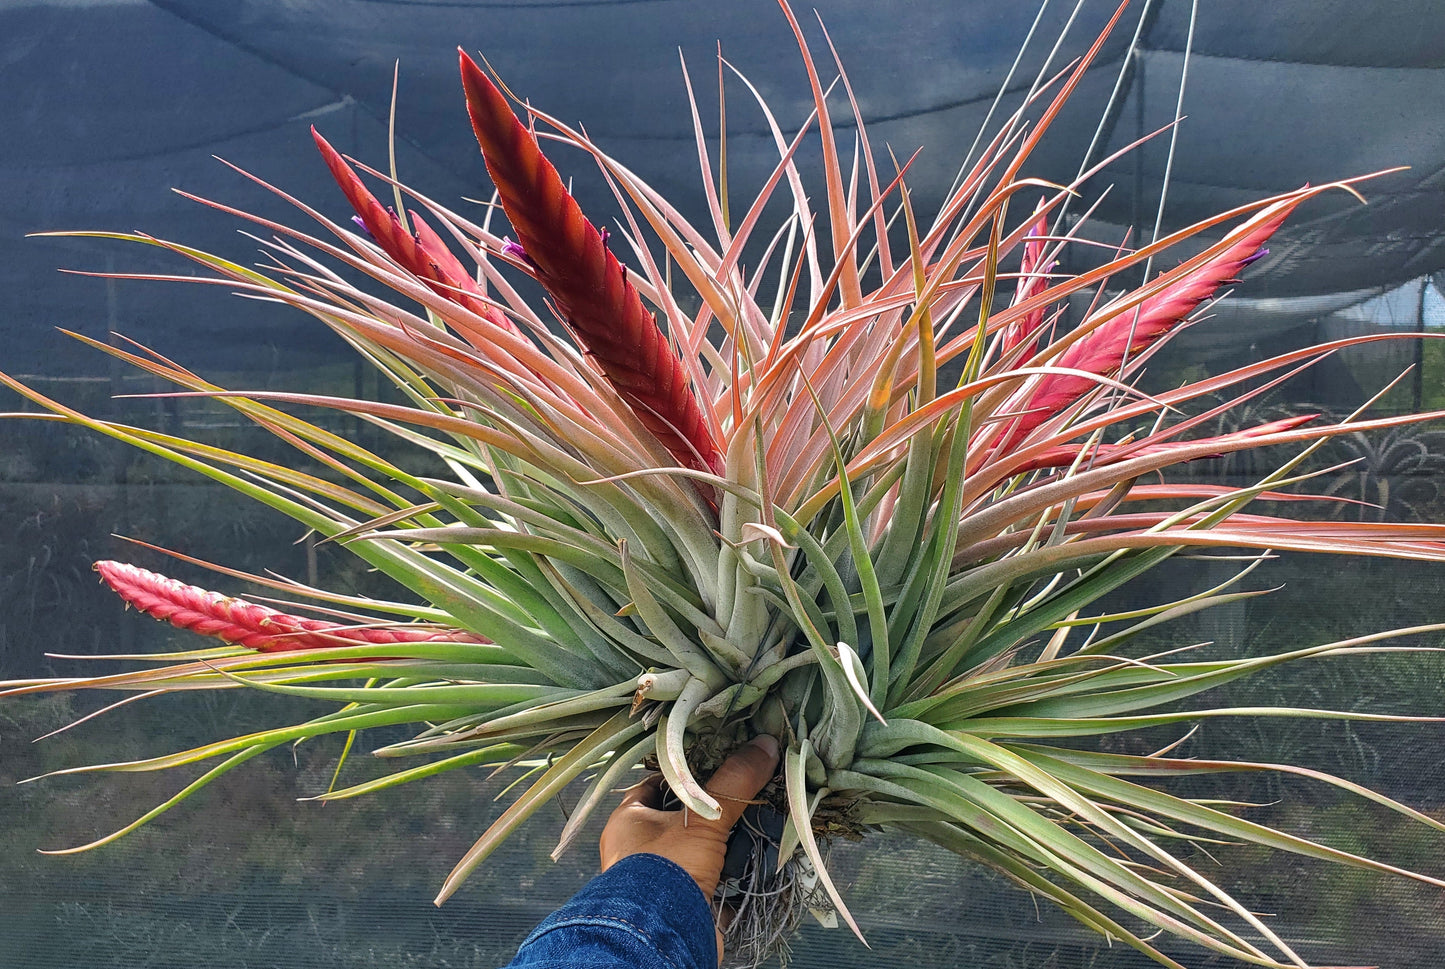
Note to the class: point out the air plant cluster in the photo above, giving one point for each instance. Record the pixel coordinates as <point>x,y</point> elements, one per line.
<point>863,491</point>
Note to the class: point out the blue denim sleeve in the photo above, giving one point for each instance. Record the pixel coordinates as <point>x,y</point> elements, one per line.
<point>644,912</point>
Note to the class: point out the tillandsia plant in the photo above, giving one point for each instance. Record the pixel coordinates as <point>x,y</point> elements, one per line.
<point>666,529</point>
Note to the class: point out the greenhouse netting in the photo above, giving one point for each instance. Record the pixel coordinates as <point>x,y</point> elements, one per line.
<point>111,104</point>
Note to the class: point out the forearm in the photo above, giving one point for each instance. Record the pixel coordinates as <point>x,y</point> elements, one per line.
<point>644,912</point>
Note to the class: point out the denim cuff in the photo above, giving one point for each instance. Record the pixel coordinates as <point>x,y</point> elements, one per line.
<point>644,911</point>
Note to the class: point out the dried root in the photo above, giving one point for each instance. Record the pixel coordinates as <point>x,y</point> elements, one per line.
<point>763,902</point>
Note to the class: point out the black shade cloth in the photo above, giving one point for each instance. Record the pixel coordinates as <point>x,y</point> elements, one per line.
<point>109,103</point>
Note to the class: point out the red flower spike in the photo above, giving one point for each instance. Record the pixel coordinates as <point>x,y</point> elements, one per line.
<point>1106,349</point>
<point>242,623</point>
<point>424,254</point>
<point>586,282</point>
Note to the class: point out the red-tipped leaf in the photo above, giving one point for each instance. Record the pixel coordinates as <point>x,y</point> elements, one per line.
<point>1033,279</point>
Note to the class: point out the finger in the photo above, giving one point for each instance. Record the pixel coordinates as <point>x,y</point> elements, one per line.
<point>646,793</point>
<point>742,776</point>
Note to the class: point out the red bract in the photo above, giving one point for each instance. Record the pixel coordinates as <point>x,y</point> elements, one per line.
<point>589,286</point>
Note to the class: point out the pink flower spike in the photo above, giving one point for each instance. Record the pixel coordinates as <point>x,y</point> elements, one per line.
<point>243,623</point>
<point>424,254</point>
<point>1106,348</point>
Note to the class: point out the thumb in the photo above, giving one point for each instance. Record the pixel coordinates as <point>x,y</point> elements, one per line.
<point>646,793</point>
<point>742,776</point>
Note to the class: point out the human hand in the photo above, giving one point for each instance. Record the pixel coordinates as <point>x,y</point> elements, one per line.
<point>695,844</point>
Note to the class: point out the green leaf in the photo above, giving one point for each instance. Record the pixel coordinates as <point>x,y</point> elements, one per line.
<point>609,736</point>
